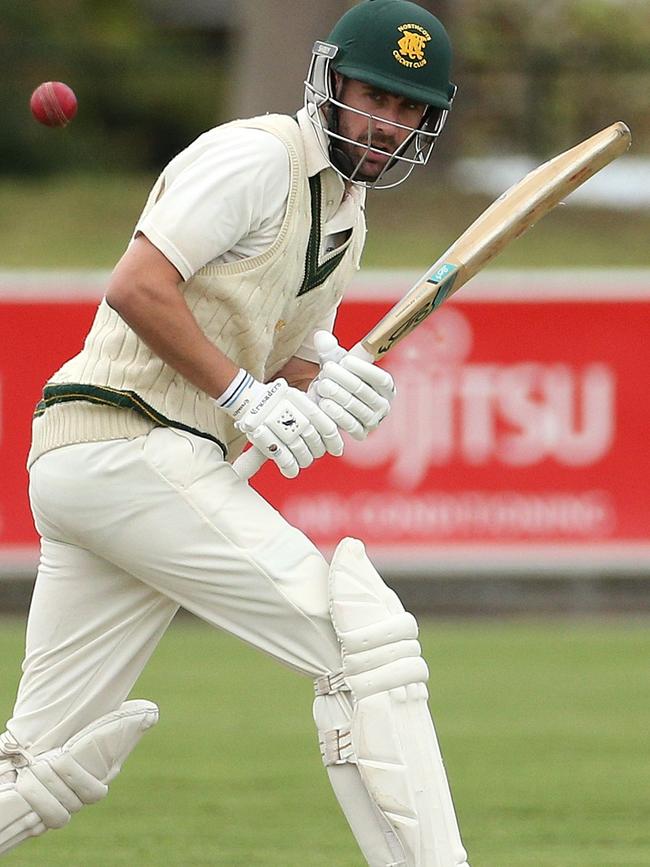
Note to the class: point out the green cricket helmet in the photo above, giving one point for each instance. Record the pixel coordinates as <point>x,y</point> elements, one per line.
<point>394,46</point>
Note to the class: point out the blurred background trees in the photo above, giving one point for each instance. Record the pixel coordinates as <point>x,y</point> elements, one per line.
<point>536,74</point>
<point>144,87</point>
<point>152,74</point>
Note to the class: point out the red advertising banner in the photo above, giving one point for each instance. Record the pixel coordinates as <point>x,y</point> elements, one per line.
<point>43,320</point>
<point>517,437</point>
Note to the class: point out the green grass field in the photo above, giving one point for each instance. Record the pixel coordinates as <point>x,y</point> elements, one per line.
<point>85,222</point>
<point>544,728</point>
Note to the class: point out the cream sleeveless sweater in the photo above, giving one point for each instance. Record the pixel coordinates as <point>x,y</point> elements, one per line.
<point>258,311</point>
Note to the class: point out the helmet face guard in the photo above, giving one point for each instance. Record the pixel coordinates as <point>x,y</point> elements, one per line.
<point>396,47</point>
<point>323,109</point>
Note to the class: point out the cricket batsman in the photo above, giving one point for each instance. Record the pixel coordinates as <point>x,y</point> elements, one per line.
<point>216,331</point>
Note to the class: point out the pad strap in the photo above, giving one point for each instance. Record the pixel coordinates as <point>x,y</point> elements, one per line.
<point>328,684</point>
<point>336,746</point>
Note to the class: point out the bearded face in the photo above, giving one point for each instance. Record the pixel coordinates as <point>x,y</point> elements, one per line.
<point>373,125</point>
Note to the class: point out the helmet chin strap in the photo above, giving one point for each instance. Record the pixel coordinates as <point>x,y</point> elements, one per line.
<point>340,160</point>
<point>338,157</point>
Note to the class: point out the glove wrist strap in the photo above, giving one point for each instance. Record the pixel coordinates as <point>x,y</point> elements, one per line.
<point>237,397</point>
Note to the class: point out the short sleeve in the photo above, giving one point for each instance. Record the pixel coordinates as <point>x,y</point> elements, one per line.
<point>228,190</point>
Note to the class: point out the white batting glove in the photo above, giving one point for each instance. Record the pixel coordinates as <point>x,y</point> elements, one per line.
<point>282,422</point>
<point>354,393</point>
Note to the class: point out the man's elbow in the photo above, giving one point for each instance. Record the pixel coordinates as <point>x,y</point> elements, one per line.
<point>142,278</point>
<point>115,295</point>
<point>127,294</point>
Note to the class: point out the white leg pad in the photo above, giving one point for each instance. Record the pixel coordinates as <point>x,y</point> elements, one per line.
<point>50,787</point>
<point>390,737</point>
<point>373,833</point>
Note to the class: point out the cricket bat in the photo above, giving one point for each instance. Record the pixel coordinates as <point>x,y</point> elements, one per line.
<point>507,218</point>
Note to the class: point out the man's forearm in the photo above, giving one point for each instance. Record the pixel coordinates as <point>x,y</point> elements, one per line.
<point>145,291</point>
<point>168,328</point>
<point>299,373</point>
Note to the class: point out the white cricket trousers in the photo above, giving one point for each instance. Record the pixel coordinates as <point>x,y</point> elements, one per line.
<point>133,529</point>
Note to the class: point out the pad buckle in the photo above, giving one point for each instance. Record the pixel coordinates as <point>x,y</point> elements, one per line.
<point>336,747</point>
<point>14,753</point>
<point>330,683</point>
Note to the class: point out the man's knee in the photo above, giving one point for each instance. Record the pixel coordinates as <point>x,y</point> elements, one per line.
<point>38,793</point>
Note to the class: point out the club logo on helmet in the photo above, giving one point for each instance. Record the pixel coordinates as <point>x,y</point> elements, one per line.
<point>411,46</point>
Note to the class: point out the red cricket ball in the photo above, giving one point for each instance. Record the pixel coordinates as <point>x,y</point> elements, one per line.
<point>53,103</point>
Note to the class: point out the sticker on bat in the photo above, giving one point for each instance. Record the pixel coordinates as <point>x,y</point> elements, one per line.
<point>446,276</point>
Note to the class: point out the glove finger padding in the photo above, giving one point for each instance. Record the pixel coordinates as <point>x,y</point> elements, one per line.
<point>267,442</point>
<point>298,449</point>
<point>302,453</point>
<point>376,377</point>
<point>343,419</point>
<point>314,442</point>
<point>362,405</point>
<point>325,428</point>
<point>366,406</point>
<point>351,382</point>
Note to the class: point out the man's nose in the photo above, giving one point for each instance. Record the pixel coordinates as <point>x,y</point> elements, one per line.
<point>384,130</point>
<point>387,118</point>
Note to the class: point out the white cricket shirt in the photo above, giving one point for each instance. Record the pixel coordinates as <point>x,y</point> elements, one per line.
<point>225,198</point>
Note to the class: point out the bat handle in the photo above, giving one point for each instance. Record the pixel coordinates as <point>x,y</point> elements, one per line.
<point>250,461</point>
<point>359,351</point>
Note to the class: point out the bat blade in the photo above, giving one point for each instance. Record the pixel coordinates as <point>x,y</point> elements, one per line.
<point>507,218</point>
